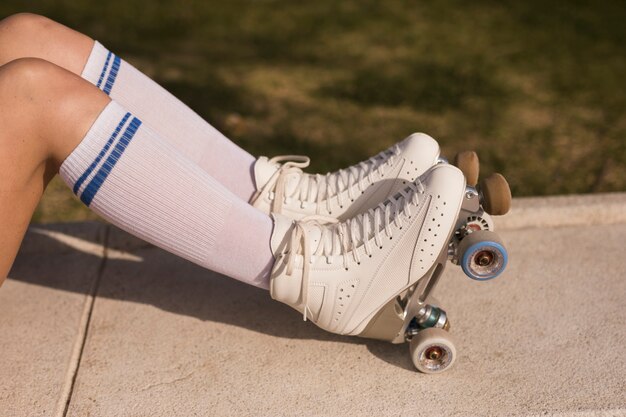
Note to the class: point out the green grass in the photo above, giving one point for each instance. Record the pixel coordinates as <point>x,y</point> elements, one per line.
<point>536,87</point>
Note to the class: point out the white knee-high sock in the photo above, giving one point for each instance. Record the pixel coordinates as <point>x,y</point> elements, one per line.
<point>131,176</point>
<point>196,139</point>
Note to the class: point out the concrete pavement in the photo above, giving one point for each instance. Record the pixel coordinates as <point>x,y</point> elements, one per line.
<point>97,323</point>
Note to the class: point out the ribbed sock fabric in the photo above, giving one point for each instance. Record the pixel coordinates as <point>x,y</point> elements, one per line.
<point>127,173</point>
<point>194,138</point>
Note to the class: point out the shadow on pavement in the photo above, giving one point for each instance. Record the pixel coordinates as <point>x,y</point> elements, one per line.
<point>141,273</point>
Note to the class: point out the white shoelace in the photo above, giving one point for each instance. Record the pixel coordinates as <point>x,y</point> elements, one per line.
<point>344,238</point>
<point>319,188</point>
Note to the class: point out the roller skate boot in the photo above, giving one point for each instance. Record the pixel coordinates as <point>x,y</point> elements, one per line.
<point>340,275</point>
<point>282,186</point>
<point>373,275</point>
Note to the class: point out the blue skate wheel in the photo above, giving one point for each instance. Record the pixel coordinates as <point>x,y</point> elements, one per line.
<point>482,255</point>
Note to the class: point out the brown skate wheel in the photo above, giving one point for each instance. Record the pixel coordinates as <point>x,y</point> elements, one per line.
<point>467,162</point>
<point>496,194</point>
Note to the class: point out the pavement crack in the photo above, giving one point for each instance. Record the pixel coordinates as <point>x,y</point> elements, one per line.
<point>172,382</point>
<point>81,338</point>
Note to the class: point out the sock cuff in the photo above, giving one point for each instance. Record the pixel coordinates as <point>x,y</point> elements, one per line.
<point>86,168</point>
<point>102,68</point>
<point>95,63</point>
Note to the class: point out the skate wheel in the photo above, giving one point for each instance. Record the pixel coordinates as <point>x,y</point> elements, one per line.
<point>432,351</point>
<point>482,255</point>
<point>467,162</point>
<point>496,194</point>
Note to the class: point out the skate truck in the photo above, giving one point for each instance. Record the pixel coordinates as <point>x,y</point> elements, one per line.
<point>414,316</point>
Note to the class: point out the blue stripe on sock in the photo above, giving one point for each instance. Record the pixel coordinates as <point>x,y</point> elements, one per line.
<point>103,152</point>
<point>104,69</point>
<point>97,181</point>
<point>112,75</point>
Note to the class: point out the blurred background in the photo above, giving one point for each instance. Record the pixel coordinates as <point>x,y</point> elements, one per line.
<point>536,87</point>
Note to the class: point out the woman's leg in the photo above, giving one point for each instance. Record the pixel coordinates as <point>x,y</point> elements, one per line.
<point>123,170</point>
<point>29,35</point>
<point>34,138</point>
<point>339,275</point>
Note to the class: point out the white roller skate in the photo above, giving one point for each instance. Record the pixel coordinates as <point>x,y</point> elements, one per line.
<point>283,188</point>
<point>372,275</point>
<point>414,315</point>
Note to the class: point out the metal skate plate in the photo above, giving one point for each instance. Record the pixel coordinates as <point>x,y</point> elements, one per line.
<point>391,322</point>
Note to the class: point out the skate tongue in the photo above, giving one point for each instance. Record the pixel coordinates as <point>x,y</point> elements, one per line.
<point>314,233</point>
<point>263,171</point>
<point>283,226</point>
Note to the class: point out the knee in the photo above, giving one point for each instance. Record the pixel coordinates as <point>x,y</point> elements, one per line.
<point>23,25</point>
<point>26,73</point>
<point>21,33</point>
<point>29,99</point>
<point>31,35</point>
<point>24,85</point>
<point>39,97</point>
<point>29,83</point>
